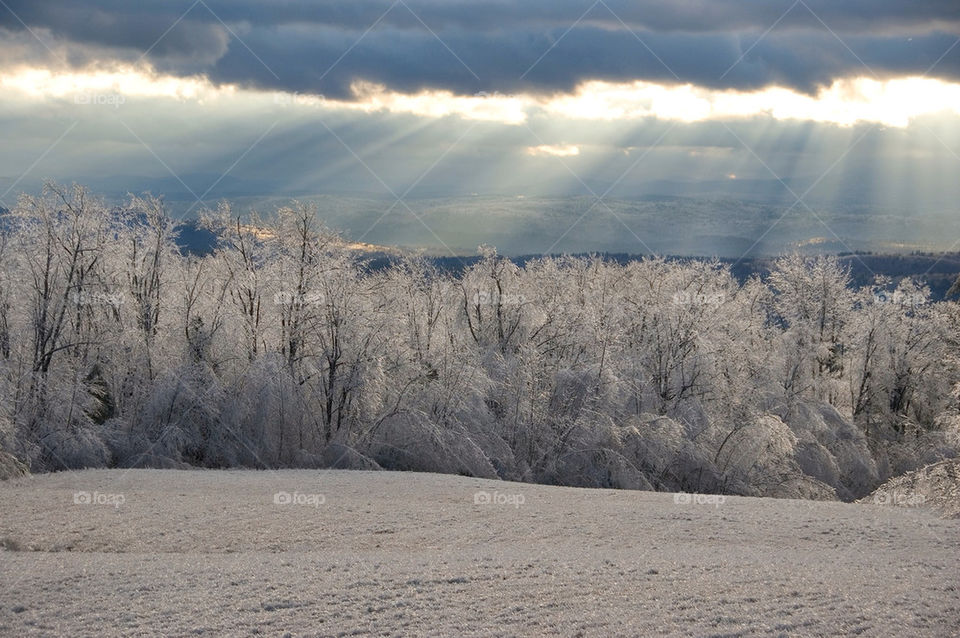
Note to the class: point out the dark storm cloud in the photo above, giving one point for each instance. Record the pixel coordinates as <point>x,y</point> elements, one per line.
<point>499,46</point>
<point>86,16</point>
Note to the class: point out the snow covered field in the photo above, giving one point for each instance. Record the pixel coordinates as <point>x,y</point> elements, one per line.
<point>327,553</point>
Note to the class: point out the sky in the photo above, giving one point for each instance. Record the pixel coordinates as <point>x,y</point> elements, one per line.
<point>388,111</point>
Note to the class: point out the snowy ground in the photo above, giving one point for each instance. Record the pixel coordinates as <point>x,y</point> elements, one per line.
<point>185,553</point>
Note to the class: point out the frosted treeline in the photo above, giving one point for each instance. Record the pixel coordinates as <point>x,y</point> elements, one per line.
<point>281,349</point>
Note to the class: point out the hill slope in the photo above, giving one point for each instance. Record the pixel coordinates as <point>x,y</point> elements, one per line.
<point>382,553</point>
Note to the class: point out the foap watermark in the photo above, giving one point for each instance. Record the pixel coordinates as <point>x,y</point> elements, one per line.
<point>707,299</point>
<point>98,498</point>
<point>495,94</point>
<point>484,298</point>
<point>299,498</point>
<point>93,298</point>
<point>88,98</point>
<point>899,498</point>
<point>901,298</point>
<point>298,99</point>
<point>293,299</point>
<point>499,498</point>
<point>685,498</point>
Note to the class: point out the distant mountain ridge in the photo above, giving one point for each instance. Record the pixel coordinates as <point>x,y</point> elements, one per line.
<point>938,270</point>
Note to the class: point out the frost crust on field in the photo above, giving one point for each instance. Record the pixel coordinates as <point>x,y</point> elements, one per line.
<point>333,553</point>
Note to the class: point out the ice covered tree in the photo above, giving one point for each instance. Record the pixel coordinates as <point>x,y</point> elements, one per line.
<point>284,348</point>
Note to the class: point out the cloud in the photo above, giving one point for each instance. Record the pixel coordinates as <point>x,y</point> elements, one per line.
<point>535,46</point>
<point>697,16</point>
<point>556,150</point>
<point>846,102</point>
<point>161,126</point>
<point>894,102</point>
<point>368,99</point>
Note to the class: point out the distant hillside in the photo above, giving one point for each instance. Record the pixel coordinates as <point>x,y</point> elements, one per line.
<point>195,240</point>
<point>938,271</point>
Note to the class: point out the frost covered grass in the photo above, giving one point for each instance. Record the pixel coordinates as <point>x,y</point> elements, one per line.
<point>327,553</point>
